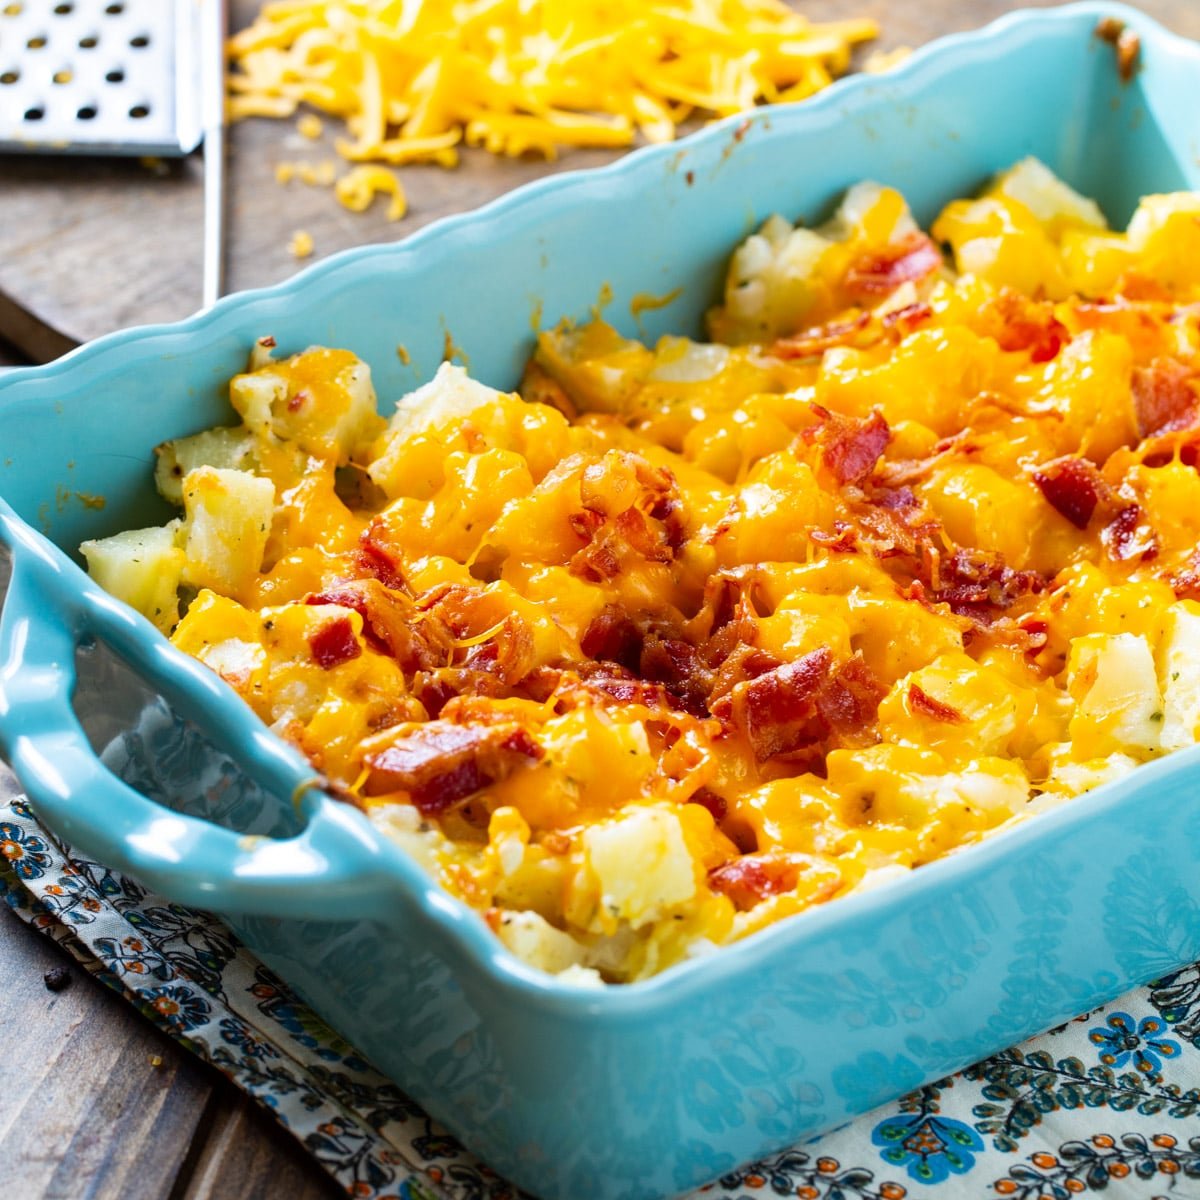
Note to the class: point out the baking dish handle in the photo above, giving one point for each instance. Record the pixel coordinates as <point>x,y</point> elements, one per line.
<point>332,869</point>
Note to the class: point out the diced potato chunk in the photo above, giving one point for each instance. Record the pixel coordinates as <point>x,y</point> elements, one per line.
<point>1113,681</point>
<point>1178,659</point>
<point>143,567</point>
<point>231,449</point>
<point>1051,201</point>
<point>321,400</point>
<point>227,524</point>
<point>642,865</point>
<point>532,938</point>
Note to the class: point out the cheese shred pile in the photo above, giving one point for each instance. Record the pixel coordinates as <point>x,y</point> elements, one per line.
<point>415,79</point>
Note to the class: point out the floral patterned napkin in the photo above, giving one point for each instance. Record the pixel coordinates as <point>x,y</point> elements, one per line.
<point>1108,1103</point>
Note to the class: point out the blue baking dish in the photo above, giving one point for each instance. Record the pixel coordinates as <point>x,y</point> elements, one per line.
<point>650,1089</point>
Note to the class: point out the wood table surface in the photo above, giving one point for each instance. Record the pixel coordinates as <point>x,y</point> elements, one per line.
<point>86,247</point>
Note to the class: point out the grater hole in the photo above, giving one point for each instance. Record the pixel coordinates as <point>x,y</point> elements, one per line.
<point>140,42</point>
<point>89,43</point>
<point>12,10</point>
<point>36,43</point>
<point>63,10</point>
<point>117,76</point>
<point>138,111</point>
<point>10,77</point>
<point>115,10</point>
<point>34,114</point>
<point>62,76</point>
<point>87,113</point>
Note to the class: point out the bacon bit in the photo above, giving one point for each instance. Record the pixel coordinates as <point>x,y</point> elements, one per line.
<point>556,843</point>
<point>749,880</point>
<point>296,402</point>
<point>908,261</point>
<point>978,585</point>
<point>815,341</point>
<point>613,637</point>
<point>1124,40</point>
<point>584,524</point>
<point>1071,487</point>
<point>1127,535</point>
<point>850,448</point>
<point>377,559</point>
<point>596,563</point>
<point>494,918</point>
<point>334,643</point>
<point>439,764</point>
<point>386,624</point>
<point>1036,634</point>
<point>902,321</point>
<point>1165,397</point>
<point>436,689</point>
<point>778,708</point>
<point>849,701</point>
<point>676,665</point>
<point>1019,324</point>
<point>843,539</point>
<point>627,690</point>
<point>1186,579</point>
<point>920,701</point>
<point>717,806</point>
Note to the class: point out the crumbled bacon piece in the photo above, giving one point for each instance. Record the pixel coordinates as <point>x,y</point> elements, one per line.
<point>1128,536</point>
<point>811,342</point>
<point>334,643</point>
<point>902,321</point>
<point>843,539</point>
<point>850,448</point>
<point>849,700</point>
<point>387,625</point>
<point>1125,42</point>
<point>1022,324</point>
<point>439,763</point>
<point>751,879</point>
<point>625,689</point>
<point>631,513</point>
<point>920,701</point>
<point>979,585</point>
<point>1165,397</point>
<point>1071,487</point>
<point>779,704</point>
<point>613,637</point>
<point>909,260</point>
<point>716,805</point>
<point>1186,578</point>
<point>676,665</point>
<point>377,559</point>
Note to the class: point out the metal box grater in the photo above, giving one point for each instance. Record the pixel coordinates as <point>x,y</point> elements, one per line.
<point>102,76</point>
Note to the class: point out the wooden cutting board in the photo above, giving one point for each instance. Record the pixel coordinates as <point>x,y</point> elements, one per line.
<point>88,245</point>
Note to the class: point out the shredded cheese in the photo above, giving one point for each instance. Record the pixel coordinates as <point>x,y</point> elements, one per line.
<point>359,186</point>
<point>301,245</point>
<point>412,79</point>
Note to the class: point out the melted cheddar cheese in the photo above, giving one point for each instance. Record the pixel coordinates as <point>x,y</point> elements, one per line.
<point>681,640</point>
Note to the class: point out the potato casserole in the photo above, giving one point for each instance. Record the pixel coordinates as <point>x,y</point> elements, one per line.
<point>678,641</point>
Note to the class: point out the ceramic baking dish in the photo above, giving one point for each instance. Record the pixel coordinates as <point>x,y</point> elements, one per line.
<point>649,1089</point>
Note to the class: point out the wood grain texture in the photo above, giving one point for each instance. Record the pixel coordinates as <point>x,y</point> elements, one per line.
<point>243,1158</point>
<point>81,1099</point>
<point>88,246</point>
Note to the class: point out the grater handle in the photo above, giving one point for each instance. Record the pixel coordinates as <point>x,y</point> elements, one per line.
<point>213,33</point>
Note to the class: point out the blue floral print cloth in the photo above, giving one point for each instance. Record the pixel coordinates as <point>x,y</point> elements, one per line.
<point>1109,1103</point>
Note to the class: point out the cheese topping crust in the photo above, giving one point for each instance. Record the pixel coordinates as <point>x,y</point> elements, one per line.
<point>678,641</point>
